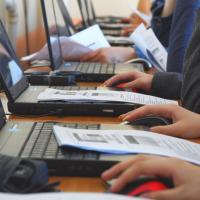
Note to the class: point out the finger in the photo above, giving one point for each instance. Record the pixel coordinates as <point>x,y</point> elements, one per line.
<point>154,166</point>
<point>117,79</point>
<point>166,194</point>
<point>125,77</point>
<point>119,168</point>
<point>138,83</point>
<point>89,56</point>
<point>161,110</point>
<point>172,130</point>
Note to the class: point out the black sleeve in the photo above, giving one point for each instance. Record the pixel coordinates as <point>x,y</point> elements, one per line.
<point>191,80</point>
<point>167,85</point>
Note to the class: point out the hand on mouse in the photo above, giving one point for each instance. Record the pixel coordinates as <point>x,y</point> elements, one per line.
<point>186,124</point>
<point>135,79</point>
<point>186,177</point>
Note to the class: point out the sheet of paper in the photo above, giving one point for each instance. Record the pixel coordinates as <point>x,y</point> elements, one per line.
<point>65,196</point>
<point>74,47</point>
<point>101,95</point>
<point>71,50</point>
<point>128,142</point>
<point>91,37</point>
<point>151,47</point>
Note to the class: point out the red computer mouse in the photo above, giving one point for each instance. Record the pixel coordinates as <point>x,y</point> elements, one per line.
<point>145,185</point>
<point>121,85</point>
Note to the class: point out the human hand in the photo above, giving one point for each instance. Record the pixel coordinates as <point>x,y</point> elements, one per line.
<point>129,30</point>
<point>110,55</point>
<point>186,124</point>
<point>185,176</point>
<point>135,79</point>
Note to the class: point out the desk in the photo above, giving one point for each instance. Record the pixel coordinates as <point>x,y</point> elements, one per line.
<point>73,184</point>
<point>77,184</point>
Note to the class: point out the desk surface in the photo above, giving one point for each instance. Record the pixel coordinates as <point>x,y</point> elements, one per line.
<point>76,184</point>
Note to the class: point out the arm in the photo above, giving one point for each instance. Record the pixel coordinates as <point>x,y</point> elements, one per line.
<point>162,15</point>
<point>191,81</point>
<point>181,32</point>
<point>167,85</point>
<point>144,6</point>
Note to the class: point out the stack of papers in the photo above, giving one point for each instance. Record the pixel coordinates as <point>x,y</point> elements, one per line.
<point>128,142</point>
<point>150,46</point>
<point>66,196</point>
<point>72,47</point>
<point>101,96</point>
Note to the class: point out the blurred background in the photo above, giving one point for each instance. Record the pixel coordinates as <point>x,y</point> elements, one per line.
<point>24,24</point>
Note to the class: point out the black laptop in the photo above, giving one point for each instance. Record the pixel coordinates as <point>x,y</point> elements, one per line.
<point>22,98</point>
<point>88,17</point>
<point>37,141</point>
<point>104,19</point>
<point>87,72</point>
<point>114,41</point>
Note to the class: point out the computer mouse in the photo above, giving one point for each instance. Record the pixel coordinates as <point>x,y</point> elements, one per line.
<point>151,121</point>
<point>144,185</point>
<point>121,86</point>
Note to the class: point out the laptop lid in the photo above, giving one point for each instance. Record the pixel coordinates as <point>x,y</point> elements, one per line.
<point>2,116</point>
<point>11,74</point>
<point>66,16</point>
<point>50,13</point>
<point>84,12</point>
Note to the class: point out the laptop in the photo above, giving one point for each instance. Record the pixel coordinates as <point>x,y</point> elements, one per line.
<point>22,98</point>
<point>114,41</point>
<point>105,19</point>
<point>37,141</point>
<point>86,72</point>
<point>88,20</point>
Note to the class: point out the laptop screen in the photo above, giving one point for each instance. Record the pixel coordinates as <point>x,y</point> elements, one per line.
<point>54,26</point>
<point>66,16</point>
<point>2,116</point>
<point>10,70</point>
<point>84,12</point>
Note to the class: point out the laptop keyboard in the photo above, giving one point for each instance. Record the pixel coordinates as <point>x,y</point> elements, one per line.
<point>95,68</point>
<point>42,144</point>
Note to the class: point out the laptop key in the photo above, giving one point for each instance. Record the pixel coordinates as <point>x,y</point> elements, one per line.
<point>91,156</point>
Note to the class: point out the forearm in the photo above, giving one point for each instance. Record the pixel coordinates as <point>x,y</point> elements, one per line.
<point>144,6</point>
<point>168,8</point>
<point>191,81</point>
<point>167,85</point>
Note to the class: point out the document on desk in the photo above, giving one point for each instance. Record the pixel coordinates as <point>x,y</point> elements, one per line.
<point>66,196</point>
<point>120,142</point>
<point>73,47</point>
<point>151,47</point>
<point>102,96</point>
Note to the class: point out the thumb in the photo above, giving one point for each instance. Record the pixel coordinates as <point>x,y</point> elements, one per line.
<point>165,195</point>
<point>135,84</point>
<point>88,56</point>
<point>172,130</point>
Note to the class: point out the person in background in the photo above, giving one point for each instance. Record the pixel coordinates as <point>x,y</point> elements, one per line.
<point>185,123</point>
<point>172,23</point>
<point>185,176</point>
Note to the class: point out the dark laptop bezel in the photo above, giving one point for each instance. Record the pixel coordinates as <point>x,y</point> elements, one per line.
<point>16,90</point>
<point>53,64</point>
<point>66,16</point>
